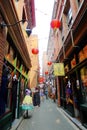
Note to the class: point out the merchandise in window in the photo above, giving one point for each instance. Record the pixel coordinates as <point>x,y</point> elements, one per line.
<point>5,91</point>
<point>83,72</point>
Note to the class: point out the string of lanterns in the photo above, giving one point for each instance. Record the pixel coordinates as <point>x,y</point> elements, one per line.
<point>54,25</point>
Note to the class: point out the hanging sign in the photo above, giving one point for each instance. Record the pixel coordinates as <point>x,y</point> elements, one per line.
<point>59,69</point>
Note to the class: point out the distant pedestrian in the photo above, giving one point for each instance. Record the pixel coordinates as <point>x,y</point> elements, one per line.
<point>36,97</point>
<point>46,92</point>
<point>53,93</point>
<point>42,94</point>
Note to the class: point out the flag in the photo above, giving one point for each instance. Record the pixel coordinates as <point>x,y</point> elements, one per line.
<point>59,69</point>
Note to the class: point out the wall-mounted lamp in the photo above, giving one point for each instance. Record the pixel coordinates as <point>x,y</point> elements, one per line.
<point>28,31</point>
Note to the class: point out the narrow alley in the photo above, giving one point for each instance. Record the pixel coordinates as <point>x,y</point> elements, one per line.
<point>47,117</point>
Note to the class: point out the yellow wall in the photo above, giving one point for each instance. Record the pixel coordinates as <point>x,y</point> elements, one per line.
<point>32,42</point>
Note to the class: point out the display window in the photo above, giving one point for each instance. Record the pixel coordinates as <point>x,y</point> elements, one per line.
<point>66,68</point>
<point>83,72</point>
<point>73,63</point>
<point>69,93</point>
<point>5,91</point>
<point>83,54</point>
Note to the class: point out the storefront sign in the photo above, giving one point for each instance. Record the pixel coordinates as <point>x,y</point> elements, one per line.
<point>59,69</point>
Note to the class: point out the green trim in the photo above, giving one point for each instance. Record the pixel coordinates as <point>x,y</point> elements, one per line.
<point>6,121</point>
<point>25,75</point>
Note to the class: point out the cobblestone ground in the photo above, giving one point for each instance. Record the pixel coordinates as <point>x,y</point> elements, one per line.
<point>47,117</point>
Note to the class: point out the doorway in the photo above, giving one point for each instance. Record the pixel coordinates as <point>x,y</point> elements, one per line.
<point>75,93</point>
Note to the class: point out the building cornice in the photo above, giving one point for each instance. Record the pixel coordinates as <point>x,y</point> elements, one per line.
<point>10,16</point>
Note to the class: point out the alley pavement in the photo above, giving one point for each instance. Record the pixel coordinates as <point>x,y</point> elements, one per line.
<point>48,117</point>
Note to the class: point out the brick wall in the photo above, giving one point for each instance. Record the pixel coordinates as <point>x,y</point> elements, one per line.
<point>2,47</point>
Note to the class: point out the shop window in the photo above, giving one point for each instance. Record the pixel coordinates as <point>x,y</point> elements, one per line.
<point>73,63</point>
<point>68,91</point>
<point>5,91</point>
<point>83,54</point>
<point>83,72</point>
<point>66,68</point>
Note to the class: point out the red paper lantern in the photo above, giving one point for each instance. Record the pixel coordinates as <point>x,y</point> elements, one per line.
<point>55,24</point>
<point>49,63</point>
<point>35,51</point>
<point>41,80</point>
<point>74,62</point>
<point>46,72</point>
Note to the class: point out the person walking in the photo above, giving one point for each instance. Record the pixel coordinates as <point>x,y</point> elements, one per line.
<point>46,92</point>
<point>42,94</point>
<point>36,97</point>
<point>53,93</point>
<point>27,102</point>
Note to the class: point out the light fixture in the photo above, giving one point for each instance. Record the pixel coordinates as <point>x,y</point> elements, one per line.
<point>28,31</point>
